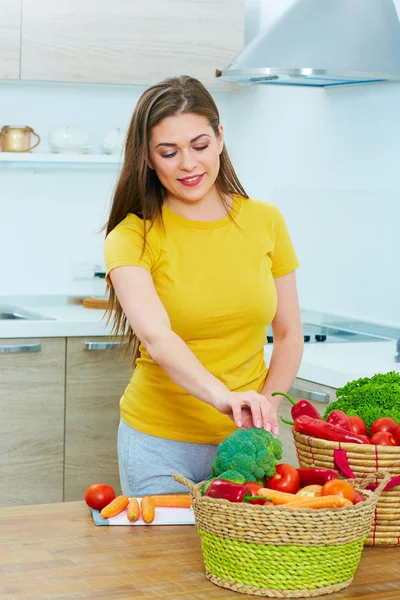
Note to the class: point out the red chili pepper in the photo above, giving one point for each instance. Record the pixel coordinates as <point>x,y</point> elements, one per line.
<point>234,492</point>
<point>302,407</point>
<point>325,431</point>
<point>316,476</point>
<point>339,419</point>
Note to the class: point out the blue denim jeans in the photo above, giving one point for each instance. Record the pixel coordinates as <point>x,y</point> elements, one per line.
<point>147,462</point>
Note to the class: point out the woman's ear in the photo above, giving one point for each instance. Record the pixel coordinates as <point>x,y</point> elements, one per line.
<point>150,164</point>
<point>221,137</point>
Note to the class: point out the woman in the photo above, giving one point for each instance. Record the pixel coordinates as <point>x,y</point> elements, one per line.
<point>197,272</point>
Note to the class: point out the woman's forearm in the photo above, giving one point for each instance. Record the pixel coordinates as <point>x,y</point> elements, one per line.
<point>284,364</point>
<point>184,368</point>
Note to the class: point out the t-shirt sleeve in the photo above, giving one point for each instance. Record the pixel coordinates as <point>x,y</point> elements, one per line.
<point>284,259</point>
<point>124,247</point>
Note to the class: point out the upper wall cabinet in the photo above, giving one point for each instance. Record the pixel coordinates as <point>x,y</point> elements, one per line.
<point>10,38</point>
<point>129,41</point>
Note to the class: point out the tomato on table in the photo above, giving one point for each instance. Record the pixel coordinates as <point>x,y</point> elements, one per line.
<point>286,479</point>
<point>337,487</point>
<point>99,495</point>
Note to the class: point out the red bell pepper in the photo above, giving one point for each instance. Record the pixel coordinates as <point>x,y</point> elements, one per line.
<point>302,407</point>
<point>315,475</point>
<point>234,492</point>
<point>325,431</point>
<point>339,419</point>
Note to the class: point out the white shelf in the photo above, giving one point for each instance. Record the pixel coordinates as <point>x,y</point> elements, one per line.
<point>37,159</point>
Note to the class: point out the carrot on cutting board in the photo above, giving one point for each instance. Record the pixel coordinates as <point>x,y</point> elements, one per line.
<point>115,507</point>
<point>319,502</point>
<point>148,509</point>
<point>173,500</point>
<point>276,497</point>
<point>133,513</point>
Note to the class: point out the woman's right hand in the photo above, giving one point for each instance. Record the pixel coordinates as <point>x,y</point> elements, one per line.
<point>248,409</point>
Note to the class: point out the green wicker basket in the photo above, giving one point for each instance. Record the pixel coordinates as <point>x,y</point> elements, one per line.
<point>280,552</point>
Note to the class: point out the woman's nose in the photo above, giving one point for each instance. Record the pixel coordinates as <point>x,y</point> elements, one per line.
<point>187,162</point>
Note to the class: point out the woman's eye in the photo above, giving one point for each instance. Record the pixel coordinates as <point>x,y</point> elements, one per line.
<point>200,148</point>
<point>168,155</point>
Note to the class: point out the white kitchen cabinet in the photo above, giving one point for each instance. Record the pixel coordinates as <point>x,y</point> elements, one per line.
<point>10,38</point>
<point>129,41</point>
<point>32,385</point>
<point>96,377</point>
<point>319,395</point>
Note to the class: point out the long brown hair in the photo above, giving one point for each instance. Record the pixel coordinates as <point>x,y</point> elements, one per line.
<point>139,190</point>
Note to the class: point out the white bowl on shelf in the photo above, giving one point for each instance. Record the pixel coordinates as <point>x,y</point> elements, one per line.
<point>67,139</point>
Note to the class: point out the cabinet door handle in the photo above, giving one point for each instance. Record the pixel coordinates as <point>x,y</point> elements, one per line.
<point>102,345</point>
<point>21,348</point>
<point>309,395</point>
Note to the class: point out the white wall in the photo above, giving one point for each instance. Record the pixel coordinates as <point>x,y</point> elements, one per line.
<point>329,159</point>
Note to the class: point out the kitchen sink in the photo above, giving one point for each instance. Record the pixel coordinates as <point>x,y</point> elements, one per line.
<point>14,313</point>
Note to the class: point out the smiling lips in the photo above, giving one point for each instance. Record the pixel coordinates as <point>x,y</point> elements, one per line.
<point>192,180</point>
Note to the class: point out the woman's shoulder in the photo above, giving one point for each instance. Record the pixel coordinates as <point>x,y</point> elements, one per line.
<point>135,226</point>
<point>266,211</point>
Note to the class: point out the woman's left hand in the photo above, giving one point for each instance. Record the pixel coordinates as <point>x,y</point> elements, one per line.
<point>272,424</point>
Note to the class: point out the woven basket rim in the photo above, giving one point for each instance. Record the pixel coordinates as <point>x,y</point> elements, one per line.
<point>350,447</point>
<point>371,497</point>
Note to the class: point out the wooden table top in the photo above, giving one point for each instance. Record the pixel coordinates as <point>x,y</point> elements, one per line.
<point>55,552</point>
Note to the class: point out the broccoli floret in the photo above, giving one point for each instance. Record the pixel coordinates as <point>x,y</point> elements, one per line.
<point>233,476</point>
<point>370,398</point>
<point>252,452</point>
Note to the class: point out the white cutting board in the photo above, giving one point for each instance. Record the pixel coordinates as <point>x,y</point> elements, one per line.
<point>164,516</point>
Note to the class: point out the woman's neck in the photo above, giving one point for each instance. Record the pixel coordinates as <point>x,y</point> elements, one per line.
<point>209,208</point>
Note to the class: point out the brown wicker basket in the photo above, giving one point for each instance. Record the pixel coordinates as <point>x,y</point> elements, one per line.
<point>363,461</point>
<point>281,552</point>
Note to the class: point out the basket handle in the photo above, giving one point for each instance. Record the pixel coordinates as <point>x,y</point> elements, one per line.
<point>184,481</point>
<point>370,482</point>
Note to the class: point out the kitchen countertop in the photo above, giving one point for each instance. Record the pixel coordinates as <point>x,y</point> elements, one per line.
<point>331,364</point>
<point>54,552</point>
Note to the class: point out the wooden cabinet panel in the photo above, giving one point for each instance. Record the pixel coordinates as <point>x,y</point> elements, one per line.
<point>286,436</point>
<point>129,41</point>
<point>32,388</point>
<point>10,38</point>
<point>95,381</point>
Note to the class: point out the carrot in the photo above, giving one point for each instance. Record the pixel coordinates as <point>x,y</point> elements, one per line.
<point>176,500</point>
<point>319,502</point>
<point>277,497</point>
<point>133,510</point>
<point>148,509</point>
<point>115,507</point>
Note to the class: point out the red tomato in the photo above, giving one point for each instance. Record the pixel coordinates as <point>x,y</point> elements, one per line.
<point>398,433</point>
<point>358,425</point>
<point>383,424</point>
<point>384,438</point>
<point>286,479</point>
<point>336,487</point>
<point>99,495</point>
<point>253,488</point>
<point>359,498</point>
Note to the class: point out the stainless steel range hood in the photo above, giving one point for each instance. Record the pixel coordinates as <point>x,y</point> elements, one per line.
<point>322,43</point>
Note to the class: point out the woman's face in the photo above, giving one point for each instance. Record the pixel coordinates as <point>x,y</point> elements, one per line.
<point>184,152</point>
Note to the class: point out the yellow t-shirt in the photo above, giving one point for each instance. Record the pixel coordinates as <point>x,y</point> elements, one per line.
<point>216,282</point>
